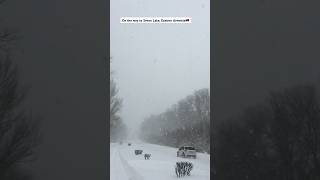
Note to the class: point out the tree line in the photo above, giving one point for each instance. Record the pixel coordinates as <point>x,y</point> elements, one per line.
<point>184,123</point>
<point>277,139</point>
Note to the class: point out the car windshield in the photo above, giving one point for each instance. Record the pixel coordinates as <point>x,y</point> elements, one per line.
<point>189,148</point>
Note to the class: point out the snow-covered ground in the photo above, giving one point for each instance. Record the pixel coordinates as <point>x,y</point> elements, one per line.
<point>125,165</point>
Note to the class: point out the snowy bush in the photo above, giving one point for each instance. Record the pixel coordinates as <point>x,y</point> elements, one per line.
<point>183,168</point>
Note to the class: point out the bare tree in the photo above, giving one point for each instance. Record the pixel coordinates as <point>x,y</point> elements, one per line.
<point>115,104</point>
<point>277,139</point>
<point>19,131</point>
<point>202,106</point>
<point>296,130</point>
<point>117,127</point>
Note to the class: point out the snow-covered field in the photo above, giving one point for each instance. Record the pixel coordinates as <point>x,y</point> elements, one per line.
<point>125,165</point>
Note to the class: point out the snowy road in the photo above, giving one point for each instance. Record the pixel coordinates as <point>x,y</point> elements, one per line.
<point>125,165</point>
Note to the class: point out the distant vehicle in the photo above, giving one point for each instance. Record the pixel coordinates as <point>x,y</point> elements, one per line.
<point>137,152</point>
<point>129,144</point>
<point>187,151</point>
<point>147,156</point>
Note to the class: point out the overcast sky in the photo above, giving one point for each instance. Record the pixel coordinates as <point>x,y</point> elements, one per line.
<point>156,65</point>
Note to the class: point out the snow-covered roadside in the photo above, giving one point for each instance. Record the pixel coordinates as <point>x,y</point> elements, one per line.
<point>117,171</point>
<point>126,165</point>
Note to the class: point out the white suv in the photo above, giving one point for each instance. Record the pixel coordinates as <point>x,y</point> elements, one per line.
<point>186,151</point>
